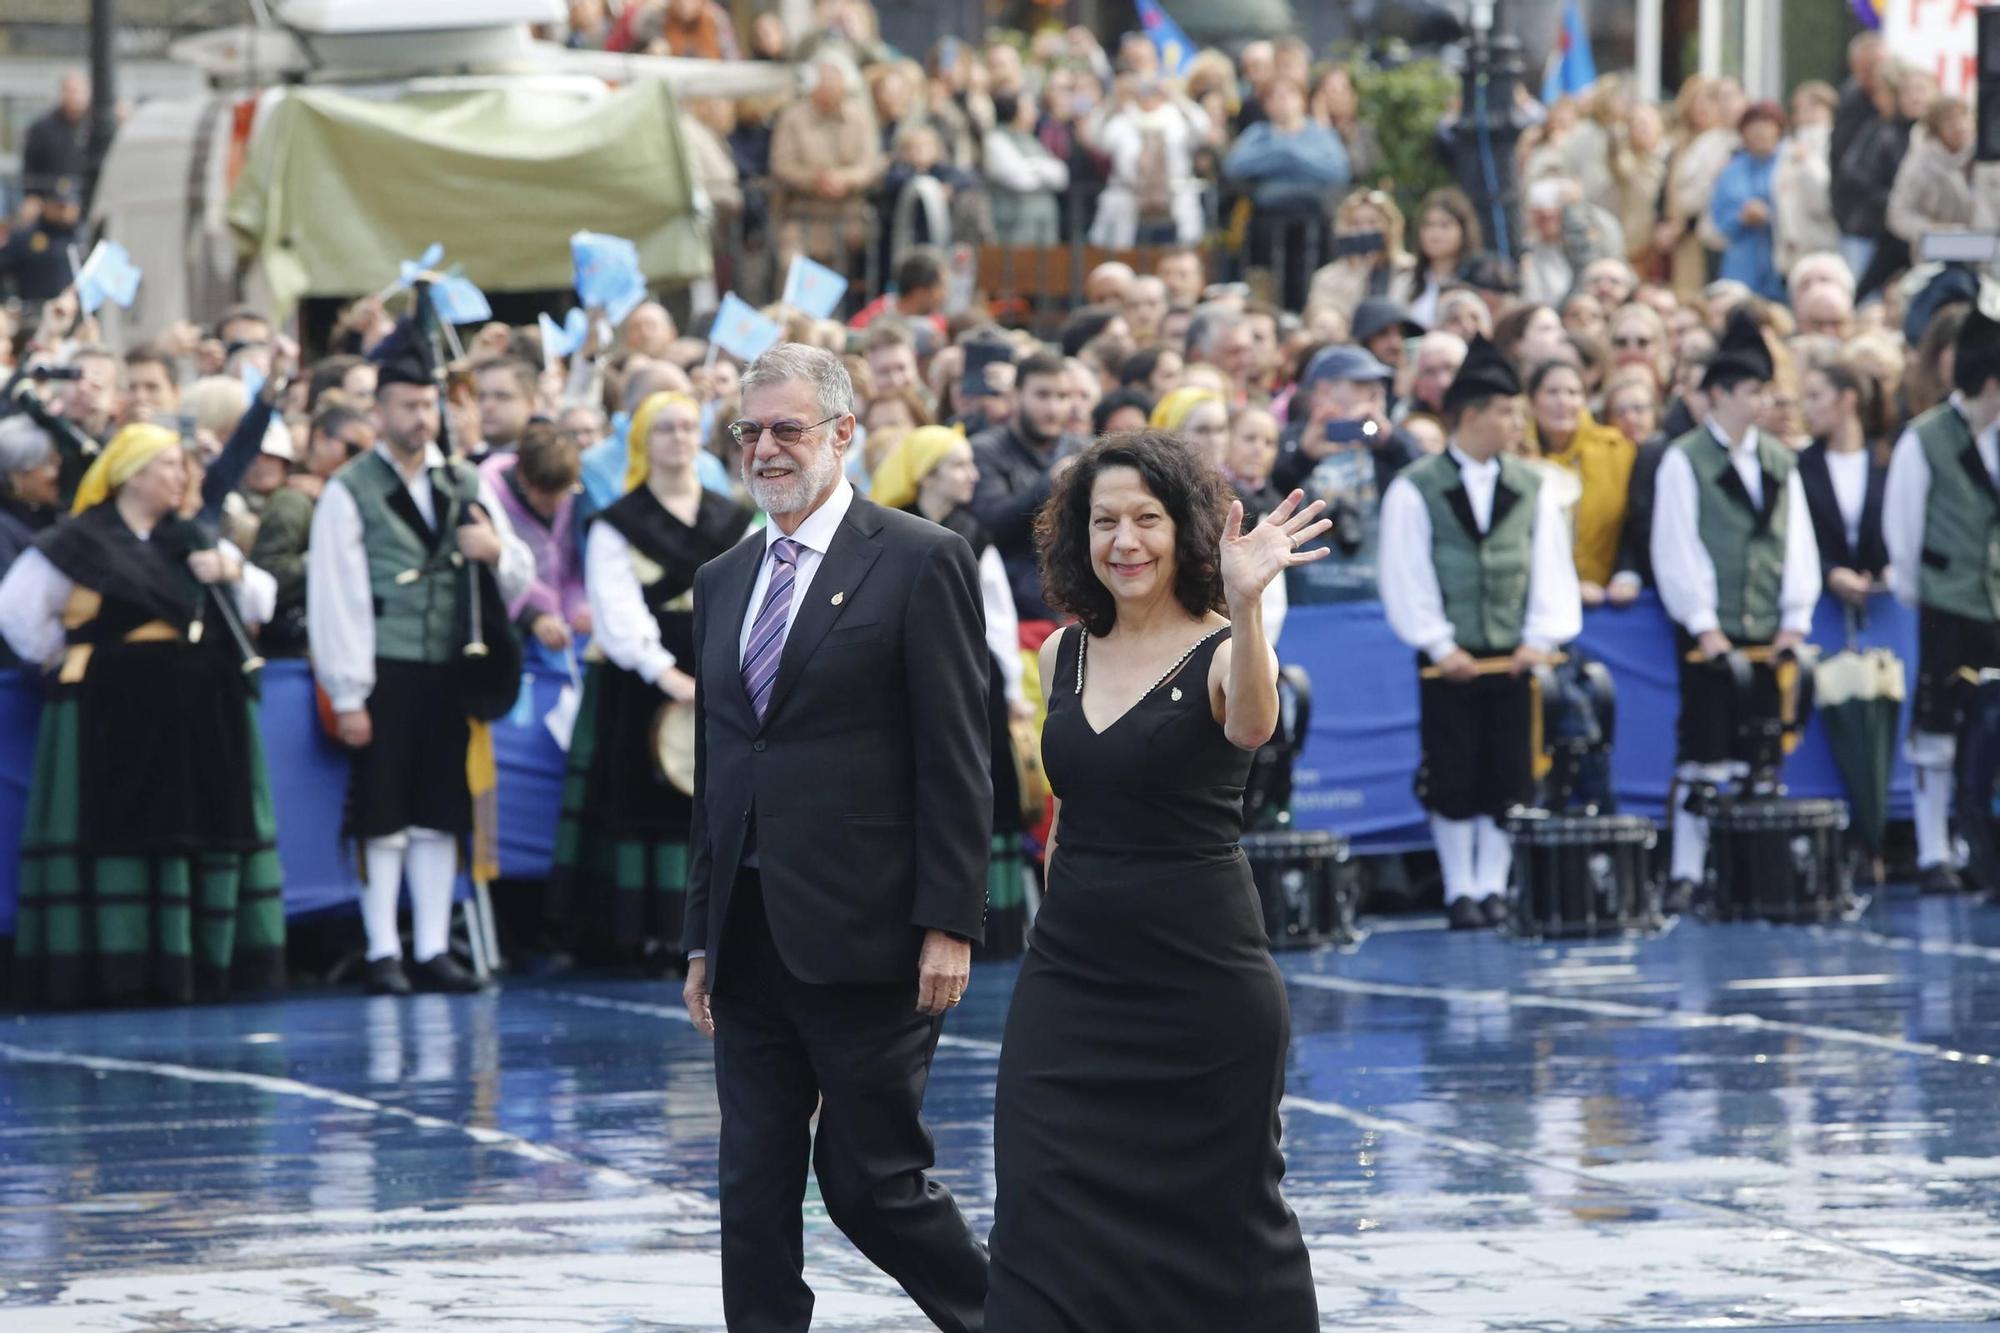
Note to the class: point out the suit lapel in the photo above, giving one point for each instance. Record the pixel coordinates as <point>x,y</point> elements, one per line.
<point>1816,477</point>
<point>1975,468</point>
<point>1461,509</point>
<point>735,577</point>
<point>846,563</point>
<point>405,509</point>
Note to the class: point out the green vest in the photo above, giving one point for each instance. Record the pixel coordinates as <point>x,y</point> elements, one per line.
<point>1483,576</point>
<point>1961,558</point>
<point>417,588</point>
<point>1748,552</point>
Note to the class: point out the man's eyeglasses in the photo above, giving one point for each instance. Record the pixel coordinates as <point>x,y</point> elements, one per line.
<point>787,433</point>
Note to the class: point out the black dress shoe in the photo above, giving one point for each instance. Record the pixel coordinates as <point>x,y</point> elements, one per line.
<point>384,976</point>
<point>1679,899</point>
<point>442,976</point>
<point>1494,908</point>
<point>1466,914</point>
<point>1940,878</point>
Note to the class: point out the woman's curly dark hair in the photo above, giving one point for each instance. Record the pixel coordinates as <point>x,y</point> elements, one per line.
<point>1194,496</point>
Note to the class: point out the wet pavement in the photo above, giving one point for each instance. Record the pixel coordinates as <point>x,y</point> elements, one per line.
<point>1728,1126</point>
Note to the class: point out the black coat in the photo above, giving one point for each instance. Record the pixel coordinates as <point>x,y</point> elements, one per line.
<point>1294,465</point>
<point>1871,557</point>
<point>868,785</point>
<point>53,150</point>
<point>1853,117</point>
<point>1864,176</point>
<point>1013,486</point>
<point>1635,543</point>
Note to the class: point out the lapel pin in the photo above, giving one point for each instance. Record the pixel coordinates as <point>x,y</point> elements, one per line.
<point>1176,695</point>
<point>839,597</point>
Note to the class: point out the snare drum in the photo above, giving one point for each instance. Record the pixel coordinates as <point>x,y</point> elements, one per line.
<point>1307,886</point>
<point>1775,859</point>
<point>1581,876</point>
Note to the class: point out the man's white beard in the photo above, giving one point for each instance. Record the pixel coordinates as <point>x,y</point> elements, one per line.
<point>789,495</point>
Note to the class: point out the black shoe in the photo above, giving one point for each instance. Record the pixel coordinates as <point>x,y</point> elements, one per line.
<point>1494,908</point>
<point>441,976</point>
<point>1940,878</point>
<point>1466,914</point>
<point>384,976</point>
<point>1679,899</point>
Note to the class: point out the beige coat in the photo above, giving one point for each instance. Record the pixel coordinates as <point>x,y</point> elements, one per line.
<point>1932,191</point>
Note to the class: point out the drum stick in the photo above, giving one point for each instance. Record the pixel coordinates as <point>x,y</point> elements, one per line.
<point>1758,656</point>
<point>1489,666</point>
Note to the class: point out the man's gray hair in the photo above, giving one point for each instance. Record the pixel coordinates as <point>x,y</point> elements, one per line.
<point>23,445</point>
<point>1211,320</point>
<point>790,363</point>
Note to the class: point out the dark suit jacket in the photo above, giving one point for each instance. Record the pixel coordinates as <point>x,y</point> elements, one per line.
<point>1635,543</point>
<point>1872,556</point>
<point>868,784</point>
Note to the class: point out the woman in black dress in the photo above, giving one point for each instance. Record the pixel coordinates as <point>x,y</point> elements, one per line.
<point>620,876</point>
<point>1136,1118</point>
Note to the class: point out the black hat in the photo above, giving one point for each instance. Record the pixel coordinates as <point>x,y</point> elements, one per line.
<point>1741,355</point>
<point>1483,374</point>
<point>979,354</point>
<point>404,357</point>
<point>1976,357</point>
<point>1379,314</point>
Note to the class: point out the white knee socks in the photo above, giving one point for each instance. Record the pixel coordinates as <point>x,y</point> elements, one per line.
<point>1455,839</point>
<point>1494,856</point>
<point>1931,758</point>
<point>433,868</point>
<point>384,860</point>
<point>1691,830</point>
<point>430,859</point>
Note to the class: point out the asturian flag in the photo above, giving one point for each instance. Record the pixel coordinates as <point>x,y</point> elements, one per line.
<point>1571,67</point>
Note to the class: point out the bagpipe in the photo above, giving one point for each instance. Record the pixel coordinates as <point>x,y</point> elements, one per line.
<point>488,669</point>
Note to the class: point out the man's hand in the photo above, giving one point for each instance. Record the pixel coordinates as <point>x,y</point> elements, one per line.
<point>580,620</point>
<point>478,541</point>
<point>1713,644</point>
<point>1591,594</point>
<point>550,631</point>
<point>214,566</point>
<point>356,729</point>
<point>1755,213</point>
<point>1850,586</point>
<point>1526,659</point>
<point>942,971</point>
<point>694,993</point>
<point>1622,592</point>
<point>1787,640</point>
<point>677,685</point>
<point>1458,667</point>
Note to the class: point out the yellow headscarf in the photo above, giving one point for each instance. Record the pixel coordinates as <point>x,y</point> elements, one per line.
<point>130,449</point>
<point>1173,410</point>
<point>915,457</point>
<point>637,466</point>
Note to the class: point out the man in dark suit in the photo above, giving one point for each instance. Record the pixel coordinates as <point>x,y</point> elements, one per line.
<point>842,814</point>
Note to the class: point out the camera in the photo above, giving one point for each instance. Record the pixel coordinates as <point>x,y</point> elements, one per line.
<point>1352,432</point>
<point>1346,534</point>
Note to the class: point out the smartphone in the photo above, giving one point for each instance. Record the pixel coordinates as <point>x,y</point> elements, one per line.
<point>1358,243</point>
<point>1352,432</point>
<point>187,426</point>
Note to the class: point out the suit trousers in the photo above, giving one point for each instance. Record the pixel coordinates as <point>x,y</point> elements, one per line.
<point>862,1054</point>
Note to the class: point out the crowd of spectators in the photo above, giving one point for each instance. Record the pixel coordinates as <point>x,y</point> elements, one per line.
<point>1644,226</point>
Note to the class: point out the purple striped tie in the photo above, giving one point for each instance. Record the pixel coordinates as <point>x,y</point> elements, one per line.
<point>767,636</point>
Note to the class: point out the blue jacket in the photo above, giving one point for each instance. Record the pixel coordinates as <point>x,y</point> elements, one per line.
<point>1749,259</point>
<point>1300,167</point>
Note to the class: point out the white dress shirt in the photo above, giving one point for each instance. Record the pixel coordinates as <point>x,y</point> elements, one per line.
<point>35,593</point>
<point>340,600</point>
<point>815,535</point>
<point>1849,474</point>
<point>1411,596</point>
<point>1907,497</point>
<point>1682,568</point>
<point>1003,622</point>
<point>620,624</point>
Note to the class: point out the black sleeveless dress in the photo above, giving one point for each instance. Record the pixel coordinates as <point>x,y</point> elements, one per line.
<point>1135,1131</point>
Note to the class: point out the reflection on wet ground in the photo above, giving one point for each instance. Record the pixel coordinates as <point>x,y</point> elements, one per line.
<point>1729,1126</point>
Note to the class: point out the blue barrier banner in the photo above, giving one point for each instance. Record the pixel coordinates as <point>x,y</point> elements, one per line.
<point>1354,778</point>
<point>1360,761</point>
